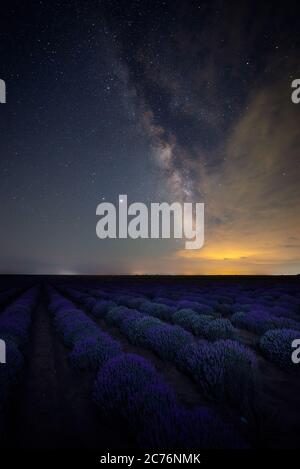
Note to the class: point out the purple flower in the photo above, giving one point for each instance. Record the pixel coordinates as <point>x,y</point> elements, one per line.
<point>276,345</point>
<point>101,308</point>
<point>92,352</point>
<point>224,370</point>
<point>167,340</point>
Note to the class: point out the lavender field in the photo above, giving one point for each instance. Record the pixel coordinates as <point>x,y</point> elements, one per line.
<point>149,362</point>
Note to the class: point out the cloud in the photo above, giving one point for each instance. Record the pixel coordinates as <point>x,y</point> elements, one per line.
<point>216,108</point>
<point>252,199</point>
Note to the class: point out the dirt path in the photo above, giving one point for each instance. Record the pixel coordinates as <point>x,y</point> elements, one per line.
<point>53,407</point>
<point>36,419</point>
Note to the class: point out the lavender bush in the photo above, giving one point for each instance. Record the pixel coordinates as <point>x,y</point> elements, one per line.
<point>14,329</point>
<point>101,308</point>
<point>128,390</point>
<point>165,301</point>
<point>220,329</point>
<point>161,311</point>
<point>260,321</point>
<point>225,309</point>
<point>130,319</point>
<point>117,314</point>
<point>136,330</point>
<point>192,321</point>
<point>166,340</point>
<point>71,323</point>
<point>91,348</point>
<point>94,351</point>
<point>15,319</point>
<point>195,306</point>
<point>224,370</point>
<point>89,302</point>
<point>276,345</point>
<point>199,428</point>
<point>124,389</point>
<point>130,301</point>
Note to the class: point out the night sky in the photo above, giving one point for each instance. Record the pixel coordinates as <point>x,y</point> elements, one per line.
<point>160,100</point>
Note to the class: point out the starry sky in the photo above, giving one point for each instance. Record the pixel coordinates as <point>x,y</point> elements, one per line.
<point>185,101</point>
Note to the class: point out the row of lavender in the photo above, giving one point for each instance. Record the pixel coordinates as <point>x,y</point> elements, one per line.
<point>275,301</point>
<point>276,334</point>
<point>224,370</point>
<point>7,296</point>
<point>130,392</point>
<point>15,323</point>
